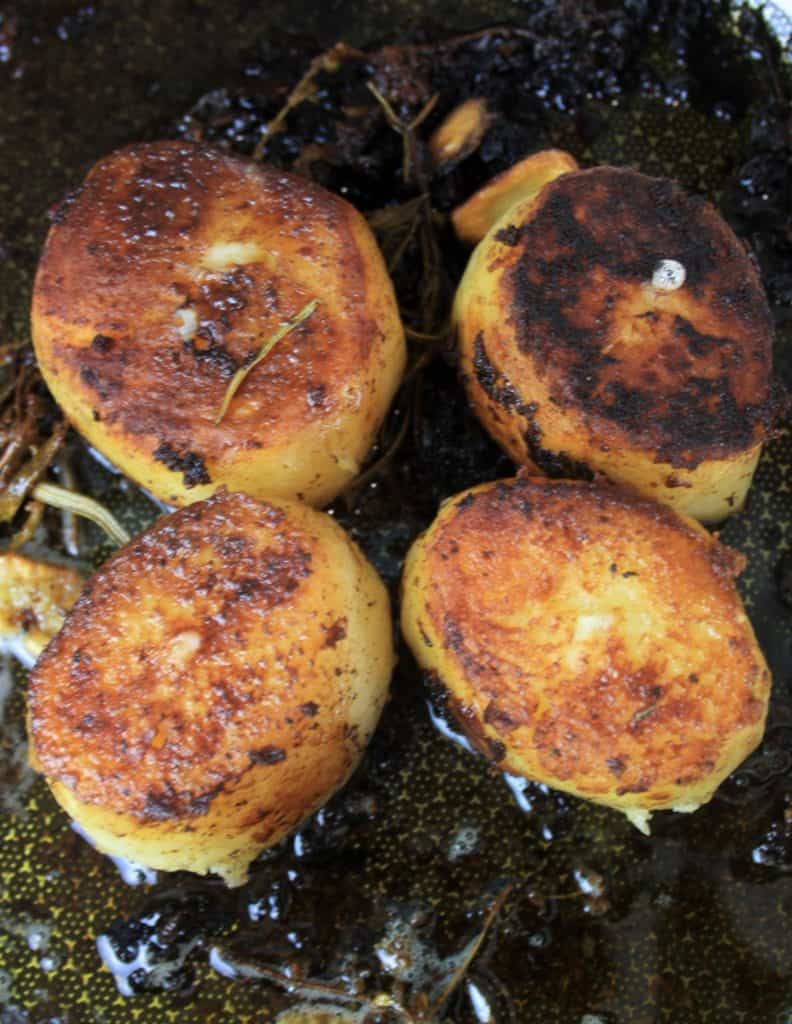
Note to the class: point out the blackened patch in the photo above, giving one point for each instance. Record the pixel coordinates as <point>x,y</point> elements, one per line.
<point>317,396</point>
<point>498,718</point>
<point>558,465</point>
<point>199,805</point>
<point>426,639</point>
<point>672,480</point>
<point>498,388</point>
<point>641,786</point>
<point>28,620</point>
<point>335,634</point>
<point>509,235</point>
<point>208,350</point>
<point>310,709</point>
<point>465,502</point>
<point>189,464</point>
<point>165,804</point>
<point>616,766</point>
<point>452,634</point>
<point>101,343</point>
<point>161,806</point>
<point>699,344</point>
<point>267,755</point>
<point>495,750</point>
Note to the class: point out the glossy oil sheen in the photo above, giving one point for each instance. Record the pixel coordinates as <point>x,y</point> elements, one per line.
<point>600,924</point>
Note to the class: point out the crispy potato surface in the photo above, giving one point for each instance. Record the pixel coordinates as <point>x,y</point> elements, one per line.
<point>588,639</point>
<point>165,273</point>
<point>615,324</point>
<point>215,684</point>
<point>34,599</point>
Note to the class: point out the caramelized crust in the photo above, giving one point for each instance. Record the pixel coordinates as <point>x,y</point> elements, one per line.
<point>165,272</point>
<point>588,639</point>
<point>576,362</point>
<point>220,676</point>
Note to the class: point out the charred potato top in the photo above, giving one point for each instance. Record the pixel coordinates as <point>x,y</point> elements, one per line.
<point>614,323</point>
<point>165,273</point>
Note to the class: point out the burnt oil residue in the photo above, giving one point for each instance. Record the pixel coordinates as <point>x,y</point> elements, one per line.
<point>396,876</point>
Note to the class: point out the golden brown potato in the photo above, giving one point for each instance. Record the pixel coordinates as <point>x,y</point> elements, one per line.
<point>165,273</point>
<point>34,599</point>
<point>614,324</point>
<point>214,685</point>
<point>473,219</point>
<point>588,639</point>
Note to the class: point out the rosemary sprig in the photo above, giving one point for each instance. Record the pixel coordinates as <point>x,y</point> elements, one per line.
<point>406,129</point>
<point>238,378</point>
<point>330,60</point>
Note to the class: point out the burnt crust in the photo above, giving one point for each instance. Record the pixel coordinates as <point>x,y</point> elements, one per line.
<point>684,394</point>
<point>189,464</point>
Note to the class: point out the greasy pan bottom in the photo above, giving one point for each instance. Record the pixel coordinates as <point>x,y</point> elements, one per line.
<point>584,920</point>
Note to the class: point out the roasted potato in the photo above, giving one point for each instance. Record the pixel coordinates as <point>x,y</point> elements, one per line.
<point>214,685</point>
<point>613,324</point>
<point>589,639</point>
<point>473,219</point>
<point>34,599</point>
<point>165,274</point>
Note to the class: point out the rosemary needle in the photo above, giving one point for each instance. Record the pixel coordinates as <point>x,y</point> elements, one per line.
<point>262,353</point>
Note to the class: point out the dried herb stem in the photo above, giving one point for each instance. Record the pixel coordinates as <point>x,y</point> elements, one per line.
<point>329,60</point>
<point>406,129</point>
<point>239,377</point>
<point>69,525</point>
<point>15,490</point>
<point>445,989</point>
<point>59,497</point>
<point>377,467</point>
<point>433,337</point>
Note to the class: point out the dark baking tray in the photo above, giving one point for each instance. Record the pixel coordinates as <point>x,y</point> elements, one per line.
<point>601,924</point>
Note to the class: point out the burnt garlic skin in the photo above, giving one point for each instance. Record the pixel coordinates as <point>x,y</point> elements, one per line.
<point>614,324</point>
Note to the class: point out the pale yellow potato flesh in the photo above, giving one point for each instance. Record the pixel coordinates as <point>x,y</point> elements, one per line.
<point>474,218</point>
<point>34,599</point>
